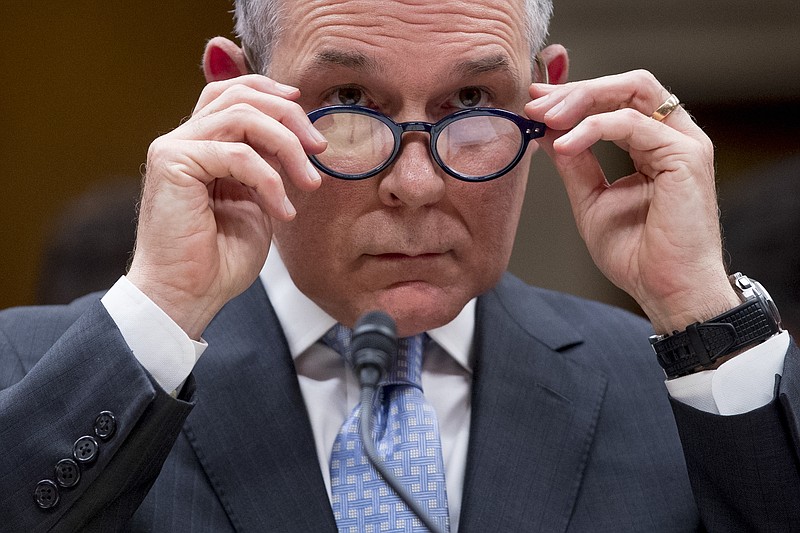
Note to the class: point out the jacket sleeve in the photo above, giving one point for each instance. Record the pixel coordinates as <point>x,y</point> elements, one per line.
<point>83,431</point>
<point>745,469</point>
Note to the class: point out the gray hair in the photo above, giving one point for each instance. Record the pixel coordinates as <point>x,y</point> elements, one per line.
<point>258,26</point>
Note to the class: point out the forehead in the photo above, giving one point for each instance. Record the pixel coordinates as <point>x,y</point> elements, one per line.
<point>402,36</point>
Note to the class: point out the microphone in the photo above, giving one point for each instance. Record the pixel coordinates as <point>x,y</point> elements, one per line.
<point>374,346</point>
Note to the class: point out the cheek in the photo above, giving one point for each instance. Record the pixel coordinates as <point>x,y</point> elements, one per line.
<point>321,233</point>
<point>332,220</point>
<point>493,212</point>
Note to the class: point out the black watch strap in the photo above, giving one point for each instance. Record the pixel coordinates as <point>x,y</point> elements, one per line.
<point>702,343</point>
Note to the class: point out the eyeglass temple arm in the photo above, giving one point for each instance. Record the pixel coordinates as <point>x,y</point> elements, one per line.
<point>541,66</point>
<point>248,62</point>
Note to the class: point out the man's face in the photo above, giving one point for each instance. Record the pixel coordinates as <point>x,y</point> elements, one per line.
<point>412,240</point>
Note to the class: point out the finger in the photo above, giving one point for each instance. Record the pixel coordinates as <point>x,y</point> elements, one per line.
<point>187,161</point>
<point>267,135</point>
<point>654,147</point>
<point>540,91</point>
<point>288,113</point>
<point>638,90</point>
<point>563,106</point>
<point>256,81</point>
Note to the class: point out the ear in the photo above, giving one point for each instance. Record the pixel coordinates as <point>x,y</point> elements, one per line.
<point>223,60</point>
<point>557,60</point>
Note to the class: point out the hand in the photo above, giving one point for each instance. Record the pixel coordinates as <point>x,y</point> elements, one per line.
<point>211,188</point>
<point>655,233</point>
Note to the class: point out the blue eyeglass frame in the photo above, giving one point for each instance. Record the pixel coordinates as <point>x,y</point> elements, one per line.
<point>529,129</point>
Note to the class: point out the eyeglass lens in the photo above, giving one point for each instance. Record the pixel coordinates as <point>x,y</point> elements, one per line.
<point>479,146</point>
<point>356,143</point>
<point>474,147</point>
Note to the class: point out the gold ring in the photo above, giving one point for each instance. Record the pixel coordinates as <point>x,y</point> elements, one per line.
<point>666,108</point>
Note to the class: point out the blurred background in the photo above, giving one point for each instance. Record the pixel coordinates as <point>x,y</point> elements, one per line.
<point>86,88</point>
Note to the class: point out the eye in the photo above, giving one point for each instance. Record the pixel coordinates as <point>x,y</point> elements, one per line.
<point>347,96</point>
<point>471,97</point>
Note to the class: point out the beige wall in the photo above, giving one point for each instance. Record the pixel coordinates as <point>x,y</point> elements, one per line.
<point>86,86</point>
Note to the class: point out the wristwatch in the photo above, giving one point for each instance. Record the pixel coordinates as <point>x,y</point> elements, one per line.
<point>753,321</point>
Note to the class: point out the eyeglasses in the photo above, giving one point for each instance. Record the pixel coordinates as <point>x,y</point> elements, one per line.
<point>478,144</point>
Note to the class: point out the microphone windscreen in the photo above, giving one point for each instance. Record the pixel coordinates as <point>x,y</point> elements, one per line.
<point>375,330</point>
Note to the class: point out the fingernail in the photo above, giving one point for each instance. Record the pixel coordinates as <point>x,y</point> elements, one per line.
<point>538,101</point>
<point>316,135</point>
<point>288,207</point>
<point>312,173</point>
<point>564,139</point>
<point>555,110</point>
<point>285,89</point>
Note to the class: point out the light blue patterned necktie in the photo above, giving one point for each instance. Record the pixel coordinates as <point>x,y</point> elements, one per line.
<point>406,436</point>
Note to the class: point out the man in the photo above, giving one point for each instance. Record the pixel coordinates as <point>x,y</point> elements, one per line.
<point>551,410</point>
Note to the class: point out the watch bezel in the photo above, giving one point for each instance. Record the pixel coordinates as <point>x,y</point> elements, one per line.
<point>750,288</point>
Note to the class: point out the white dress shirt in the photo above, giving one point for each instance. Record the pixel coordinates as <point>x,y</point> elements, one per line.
<point>330,389</point>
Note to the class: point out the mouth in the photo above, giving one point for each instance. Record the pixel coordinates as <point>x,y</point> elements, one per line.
<point>409,271</point>
<point>404,268</point>
<point>405,257</point>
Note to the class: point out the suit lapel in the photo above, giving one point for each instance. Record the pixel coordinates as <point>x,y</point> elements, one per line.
<point>534,414</point>
<point>250,429</point>
<point>533,418</point>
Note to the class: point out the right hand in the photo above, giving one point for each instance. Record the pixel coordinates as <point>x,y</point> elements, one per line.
<point>210,191</point>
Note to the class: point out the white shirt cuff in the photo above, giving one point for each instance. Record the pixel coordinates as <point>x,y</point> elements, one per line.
<point>157,342</point>
<point>739,385</point>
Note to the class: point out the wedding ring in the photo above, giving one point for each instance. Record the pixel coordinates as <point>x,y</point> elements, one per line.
<point>666,108</point>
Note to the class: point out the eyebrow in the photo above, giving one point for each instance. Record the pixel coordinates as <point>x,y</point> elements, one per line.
<point>488,64</point>
<point>325,59</point>
<point>360,62</point>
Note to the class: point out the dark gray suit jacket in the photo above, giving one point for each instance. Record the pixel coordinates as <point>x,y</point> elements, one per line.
<point>571,430</point>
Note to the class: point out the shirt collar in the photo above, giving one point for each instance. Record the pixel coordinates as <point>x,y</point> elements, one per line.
<point>304,322</point>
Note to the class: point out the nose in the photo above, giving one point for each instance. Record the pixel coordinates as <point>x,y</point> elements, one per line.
<point>414,179</point>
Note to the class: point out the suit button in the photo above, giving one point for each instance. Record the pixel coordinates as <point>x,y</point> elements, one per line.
<point>105,425</point>
<point>67,473</point>
<point>46,494</point>
<point>85,450</point>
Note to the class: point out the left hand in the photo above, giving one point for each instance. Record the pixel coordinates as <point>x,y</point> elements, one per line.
<point>655,233</point>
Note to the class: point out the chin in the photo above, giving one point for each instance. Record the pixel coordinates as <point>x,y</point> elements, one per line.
<point>418,307</point>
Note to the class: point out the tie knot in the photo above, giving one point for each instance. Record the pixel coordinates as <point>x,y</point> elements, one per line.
<point>338,338</point>
<point>407,368</point>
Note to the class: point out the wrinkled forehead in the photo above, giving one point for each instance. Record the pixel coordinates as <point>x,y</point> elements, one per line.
<point>417,31</point>
<point>437,16</point>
